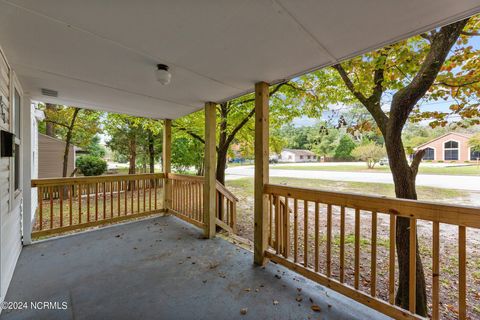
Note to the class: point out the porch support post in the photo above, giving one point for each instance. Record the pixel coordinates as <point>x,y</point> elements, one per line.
<point>166,163</point>
<point>209,189</point>
<point>261,173</point>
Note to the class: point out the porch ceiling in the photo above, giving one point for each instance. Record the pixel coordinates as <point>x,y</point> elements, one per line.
<point>102,54</point>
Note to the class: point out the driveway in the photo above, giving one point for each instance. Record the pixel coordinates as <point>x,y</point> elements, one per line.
<point>471,183</point>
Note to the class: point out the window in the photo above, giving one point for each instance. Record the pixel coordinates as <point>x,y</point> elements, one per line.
<point>429,154</point>
<point>308,157</point>
<point>16,131</point>
<point>301,157</point>
<point>474,155</point>
<point>451,150</point>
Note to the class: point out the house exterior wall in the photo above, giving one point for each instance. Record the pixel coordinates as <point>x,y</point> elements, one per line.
<point>291,156</point>
<point>439,150</point>
<point>50,157</point>
<point>10,199</point>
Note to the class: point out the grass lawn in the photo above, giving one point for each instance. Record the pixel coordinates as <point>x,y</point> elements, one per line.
<point>244,187</point>
<point>463,170</point>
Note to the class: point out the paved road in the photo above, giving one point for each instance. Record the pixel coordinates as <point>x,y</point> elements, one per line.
<point>471,183</point>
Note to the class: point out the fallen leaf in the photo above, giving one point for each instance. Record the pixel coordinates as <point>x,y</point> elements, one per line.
<point>247,289</point>
<point>316,308</point>
<point>299,298</point>
<point>243,311</point>
<point>275,302</point>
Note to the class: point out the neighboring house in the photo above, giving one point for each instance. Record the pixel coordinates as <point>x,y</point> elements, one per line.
<point>449,147</point>
<point>297,155</point>
<point>50,157</point>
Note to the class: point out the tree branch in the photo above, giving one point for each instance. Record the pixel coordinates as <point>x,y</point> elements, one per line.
<point>372,103</point>
<point>417,158</point>
<point>190,133</point>
<point>405,99</point>
<point>466,33</point>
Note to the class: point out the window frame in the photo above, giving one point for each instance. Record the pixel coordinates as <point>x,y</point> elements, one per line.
<point>434,154</point>
<point>16,193</point>
<point>451,149</point>
<point>470,153</point>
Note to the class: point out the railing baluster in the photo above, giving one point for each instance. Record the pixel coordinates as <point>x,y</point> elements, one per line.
<point>435,271</point>
<point>270,212</point>
<point>60,196</point>
<point>329,240</point>
<point>96,201</point>
<point>88,202</point>
<point>305,233</point>
<point>125,195</point>
<point>40,206</point>
<point>317,242</point>
<point>111,199</point>
<point>144,195</point>
<point>119,186</point>
<point>373,258</point>
<point>155,185</point>
<point>149,195</point>
<point>412,266</point>
<point>277,223</point>
<point>286,230</point>
<point>70,203</point>
<point>342,244</point>
<point>132,196</point>
<point>295,230</point>
<point>391,273</point>
<point>357,249</point>
<point>79,203</point>
<point>462,273</point>
<point>51,207</point>
<point>104,200</point>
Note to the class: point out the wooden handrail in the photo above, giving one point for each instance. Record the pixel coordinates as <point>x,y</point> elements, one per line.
<point>227,193</point>
<point>187,201</point>
<point>457,215</point>
<point>93,179</point>
<point>67,204</point>
<point>304,239</point>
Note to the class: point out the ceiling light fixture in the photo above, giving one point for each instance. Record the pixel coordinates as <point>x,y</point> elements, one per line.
<point>162,74</point>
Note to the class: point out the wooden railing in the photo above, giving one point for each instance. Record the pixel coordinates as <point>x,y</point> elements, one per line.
<point>187,202</point>
<point>66,204</point>
<point>306,239</point>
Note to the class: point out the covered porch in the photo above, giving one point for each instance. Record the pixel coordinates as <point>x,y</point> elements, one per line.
<point>174,265</point>
<point>161,268</point>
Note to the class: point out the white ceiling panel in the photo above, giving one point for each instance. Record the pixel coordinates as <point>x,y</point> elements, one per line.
<point>102,54</point>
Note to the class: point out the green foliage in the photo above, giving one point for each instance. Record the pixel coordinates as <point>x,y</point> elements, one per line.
<point>345,148</point>
<point>474,142</point>
<point>86,126</point>
<point>369,152</point>
<point>95,148</point>
<point>186,153</point>
<point>91,165</point>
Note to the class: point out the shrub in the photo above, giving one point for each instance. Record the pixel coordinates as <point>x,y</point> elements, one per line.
<point>369,152</point>
<point>344,148</point>
<point>91,165</point>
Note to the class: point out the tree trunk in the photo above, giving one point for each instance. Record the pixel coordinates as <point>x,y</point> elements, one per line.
<point>133,154</point>
<point>151,152</point>
<point>49,126</point>
<point>404,181</point>
<point>68,141</point>
<point>221,164</point>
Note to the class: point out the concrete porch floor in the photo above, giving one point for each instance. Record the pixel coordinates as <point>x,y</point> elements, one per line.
<point>160,268</point>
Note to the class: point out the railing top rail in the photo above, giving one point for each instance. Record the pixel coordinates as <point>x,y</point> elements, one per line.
<point>451,214</point>
<point>185,177</point>
<point>227,193</point>
<point>93,179</point>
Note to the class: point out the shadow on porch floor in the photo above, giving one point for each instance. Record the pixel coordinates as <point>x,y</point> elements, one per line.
<point>160,268</point>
